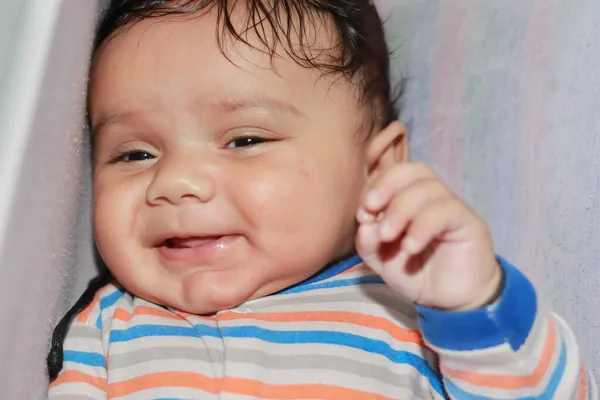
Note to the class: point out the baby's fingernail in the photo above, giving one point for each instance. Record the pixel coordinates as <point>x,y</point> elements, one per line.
<point>364,217</point>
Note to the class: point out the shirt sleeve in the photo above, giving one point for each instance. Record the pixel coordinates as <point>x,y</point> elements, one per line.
<point>84,363</point>
<point>509,349</point>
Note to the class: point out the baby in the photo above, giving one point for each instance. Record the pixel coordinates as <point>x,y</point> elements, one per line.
<point>267,236</point>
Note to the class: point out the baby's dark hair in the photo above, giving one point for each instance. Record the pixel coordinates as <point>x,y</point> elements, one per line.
<point>360,54</point>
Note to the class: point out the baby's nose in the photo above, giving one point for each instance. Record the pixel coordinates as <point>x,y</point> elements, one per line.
<point>177,182</point>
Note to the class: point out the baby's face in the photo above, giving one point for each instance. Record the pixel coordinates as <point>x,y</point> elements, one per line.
<point>218,182</point>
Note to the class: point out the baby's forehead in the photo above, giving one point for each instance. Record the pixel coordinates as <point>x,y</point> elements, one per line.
<point>177,64</point>
<point>303,34</point>
<point>179,60</point>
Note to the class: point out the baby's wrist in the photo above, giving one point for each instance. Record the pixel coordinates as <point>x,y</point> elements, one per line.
<point>490,293</point>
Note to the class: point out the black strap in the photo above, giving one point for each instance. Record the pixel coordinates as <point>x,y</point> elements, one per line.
<point>55,355</point>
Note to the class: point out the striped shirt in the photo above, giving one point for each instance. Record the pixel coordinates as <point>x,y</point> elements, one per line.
<point>340,335</point>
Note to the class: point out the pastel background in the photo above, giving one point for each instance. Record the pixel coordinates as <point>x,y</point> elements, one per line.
<point>502,97</point>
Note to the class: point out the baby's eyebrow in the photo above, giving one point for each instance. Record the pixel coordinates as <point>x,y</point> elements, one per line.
<point>232,105</point>
<point>222,105</point>
<point>109,119</point>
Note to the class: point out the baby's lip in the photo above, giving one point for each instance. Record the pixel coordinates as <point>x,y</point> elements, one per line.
<point>189,242</point>
<point>195,251</point>
<point>184,240</point>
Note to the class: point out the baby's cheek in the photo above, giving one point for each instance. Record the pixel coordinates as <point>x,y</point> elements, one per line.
<point>274,186</point>
<point>114,218</point>
<point>306,170</point>
<point>107,232</point>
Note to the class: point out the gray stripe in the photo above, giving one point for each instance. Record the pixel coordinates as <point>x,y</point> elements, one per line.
<point>84,331</point>
<point>279,363</point>
<point>70,397</point>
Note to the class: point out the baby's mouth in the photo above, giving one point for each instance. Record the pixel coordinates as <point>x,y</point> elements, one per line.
<point>188,242</point>
<point>194,250</point>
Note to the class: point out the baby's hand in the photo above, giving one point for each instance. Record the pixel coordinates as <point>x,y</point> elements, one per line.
<point>425,242</point>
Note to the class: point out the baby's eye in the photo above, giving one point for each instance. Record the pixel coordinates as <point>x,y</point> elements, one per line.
<point>245,141</point>
<point>133,156</point>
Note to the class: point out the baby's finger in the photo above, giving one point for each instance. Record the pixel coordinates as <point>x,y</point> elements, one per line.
<point>365,217</point>
<point>380,192</point>
<point>367,245</point>
<point>406,205</point>
<point>437,219</point>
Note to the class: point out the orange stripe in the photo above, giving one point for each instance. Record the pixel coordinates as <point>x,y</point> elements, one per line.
<point>239,386</point>
<point>163,379</point>
<point>356,268</point>
<point>125,315</point>
<point>368,321</point>
<point>583,389</point>
<point>85,314</point>
<point>509,382</point>
<point>74,376</point>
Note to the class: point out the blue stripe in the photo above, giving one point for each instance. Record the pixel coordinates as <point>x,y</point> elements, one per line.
<point>81,357</point>
<point>106,302</point>
<point>363,280</point>
<point>111,299</point>
<point>140,331</point>
<point>288,337</point>
<point>547,394</point>
<point>330,271</point>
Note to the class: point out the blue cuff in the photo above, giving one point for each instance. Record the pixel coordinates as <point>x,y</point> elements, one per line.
<point>508,320</point>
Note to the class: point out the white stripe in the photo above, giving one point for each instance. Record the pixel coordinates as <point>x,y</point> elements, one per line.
<point>166,341</point>
<point>88,345</point>
<point>74,389</point>
<point>203,367</point>
<point>169,392</point>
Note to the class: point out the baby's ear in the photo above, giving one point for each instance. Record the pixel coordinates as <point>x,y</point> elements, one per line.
<point>386,149</point>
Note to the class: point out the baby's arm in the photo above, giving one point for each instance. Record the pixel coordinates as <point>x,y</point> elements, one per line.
<point>510,349</point>
<point>430,247</point>
<point>84,366</point>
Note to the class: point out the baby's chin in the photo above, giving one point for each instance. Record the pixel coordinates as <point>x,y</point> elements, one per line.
<point>191,305</point>
<point>205,292</point>
<point>209,306</point>
<point>205,301</point>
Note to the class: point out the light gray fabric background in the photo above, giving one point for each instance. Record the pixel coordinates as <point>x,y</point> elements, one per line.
<point>501,97</point>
